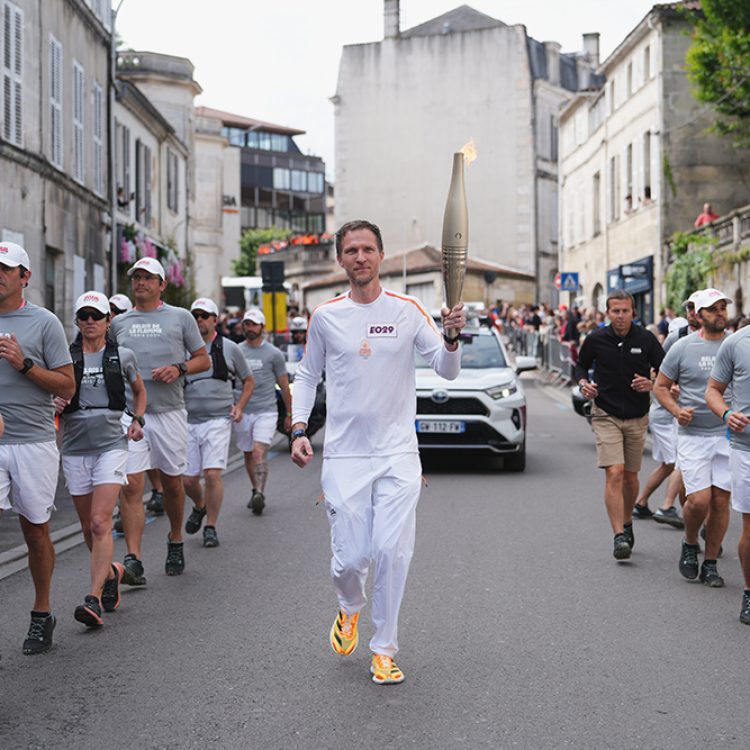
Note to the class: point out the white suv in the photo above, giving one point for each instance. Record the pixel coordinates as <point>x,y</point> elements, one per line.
<point>483,409</point>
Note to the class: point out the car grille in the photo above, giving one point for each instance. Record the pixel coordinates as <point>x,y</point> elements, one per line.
<point>459,405</point>
<point>476,433</point>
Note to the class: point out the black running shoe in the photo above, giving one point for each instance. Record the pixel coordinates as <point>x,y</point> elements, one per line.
<point>195,520</point>
<point>622,548</point>
<point>132,574</point>
<point>669,516</point>
<point>111,589</point>
<point>689,560</point>
<point>703,537</point>
<point>175,563</point>
<point>257,502</point>
<point>210,539</point>
<point>628,531</point>
<point>710,575</point>
<point>39,638</point>
<point>156,503</point>
<point>90,612</point>
<point>745,612</point>
<point>642,511</point>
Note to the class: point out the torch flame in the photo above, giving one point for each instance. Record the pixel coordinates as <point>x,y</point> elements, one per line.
<point>469,151</point>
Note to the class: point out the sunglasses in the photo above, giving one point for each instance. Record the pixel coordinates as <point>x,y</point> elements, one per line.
<point>201,315</point>
<point>86,314</point>
<point>115,310</point>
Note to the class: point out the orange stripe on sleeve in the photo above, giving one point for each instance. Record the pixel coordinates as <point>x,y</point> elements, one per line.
<point>418,306</point>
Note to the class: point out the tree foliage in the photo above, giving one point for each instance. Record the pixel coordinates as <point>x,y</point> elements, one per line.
<point>251,240</point>
<point>718,63</point>
<point>692,267</point>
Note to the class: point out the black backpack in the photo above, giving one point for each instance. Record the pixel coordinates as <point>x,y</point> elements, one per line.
<point>221,371</point>
<point>113,379</point>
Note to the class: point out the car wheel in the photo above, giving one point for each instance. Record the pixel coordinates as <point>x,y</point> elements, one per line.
<point>516,461</point>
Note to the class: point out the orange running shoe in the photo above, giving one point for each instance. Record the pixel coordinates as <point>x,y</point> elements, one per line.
<point>385,671</point>
<point>344,636</point>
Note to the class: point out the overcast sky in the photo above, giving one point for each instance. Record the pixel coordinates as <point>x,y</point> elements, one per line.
<point>277,60</point>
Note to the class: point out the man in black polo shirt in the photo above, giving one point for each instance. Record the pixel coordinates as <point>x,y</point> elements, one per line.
<point>623,356</point>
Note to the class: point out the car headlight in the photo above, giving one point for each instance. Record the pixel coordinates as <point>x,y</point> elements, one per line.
<point>501,391</point>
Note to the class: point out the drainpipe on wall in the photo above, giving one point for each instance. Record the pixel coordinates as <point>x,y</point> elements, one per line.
<point>112,152</point>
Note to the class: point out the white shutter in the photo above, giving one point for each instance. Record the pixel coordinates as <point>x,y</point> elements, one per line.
<point>12,74</point>
<point>98,119</point>
<point>55,97</point>
<point>79,86</point>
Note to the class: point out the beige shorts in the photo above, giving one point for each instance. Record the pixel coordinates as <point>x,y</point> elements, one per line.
<point>618,441</point>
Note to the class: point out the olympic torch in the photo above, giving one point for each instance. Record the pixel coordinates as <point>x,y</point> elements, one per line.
<point>456,232</point>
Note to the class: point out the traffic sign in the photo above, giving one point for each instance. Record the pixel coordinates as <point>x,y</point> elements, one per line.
<point>568,282</point>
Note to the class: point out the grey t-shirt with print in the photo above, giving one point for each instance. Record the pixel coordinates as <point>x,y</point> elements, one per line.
<point>657,413</point>
<point>690,362</point>
<point>158,338</point>
<point>94,428</point>
<point>267,364</point>
<point>732,367</point>
<point>26,408</point>
<point>208,398</point>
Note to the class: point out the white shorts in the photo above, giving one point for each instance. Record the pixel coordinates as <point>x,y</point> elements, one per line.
<point>255,427</point>
<point>739,465</point>
<point>208,445</point>
<point>83,473</point>
<point>139,456</point>
<point>704,462</point>
<point>167,436</point>
<point>664,441</point>
<point>28,479</point>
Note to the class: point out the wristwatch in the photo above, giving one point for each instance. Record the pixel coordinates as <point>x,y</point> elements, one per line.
<point>28,363</point>
<point>449,340</point>
<point>138,418</point>
<point>298,434</point>
<point>182,367</point>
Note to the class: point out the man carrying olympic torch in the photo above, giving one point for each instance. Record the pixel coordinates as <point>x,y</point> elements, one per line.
<point>371,476</point>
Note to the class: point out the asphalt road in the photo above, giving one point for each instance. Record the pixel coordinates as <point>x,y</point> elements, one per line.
<point>518,628</point>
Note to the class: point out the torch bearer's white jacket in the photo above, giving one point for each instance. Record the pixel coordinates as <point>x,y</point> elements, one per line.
<point>367,352</point>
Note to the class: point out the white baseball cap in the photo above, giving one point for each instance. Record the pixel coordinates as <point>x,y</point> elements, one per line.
<point>254,315</point>
<point>13,255</point>
<point>707,297</point>
<point>205,304</point>
<point>150,265</point>
<point>121,302</point>
<point>298,323</point>
<point>96,300</point>
<point>691,298</point>
<point>676,323</point>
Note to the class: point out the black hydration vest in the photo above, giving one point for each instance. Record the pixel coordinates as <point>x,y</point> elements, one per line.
<point>221,371</point>
<point>113,379</point>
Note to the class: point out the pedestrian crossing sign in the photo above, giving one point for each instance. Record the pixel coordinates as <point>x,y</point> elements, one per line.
<point>569,282</point>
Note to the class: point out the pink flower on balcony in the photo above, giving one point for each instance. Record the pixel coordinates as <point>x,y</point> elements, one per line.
<point>148,249</point>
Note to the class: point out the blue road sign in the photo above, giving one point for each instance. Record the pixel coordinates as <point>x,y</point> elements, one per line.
<point>569,282</point>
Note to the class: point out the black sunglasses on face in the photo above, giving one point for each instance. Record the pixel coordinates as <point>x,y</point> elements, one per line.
<point>115,310</point>
<point>201,315</point>
<point>86,314</point>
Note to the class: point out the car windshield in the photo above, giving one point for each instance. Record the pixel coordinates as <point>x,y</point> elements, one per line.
<point>477,353</point>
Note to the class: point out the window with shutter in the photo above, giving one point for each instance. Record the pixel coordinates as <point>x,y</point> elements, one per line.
<point>98,122</point>
<point>55,98</point>
<point>126,166</point>
<point>147,186</point>
<point>79,85</point>
<point>12,73</point>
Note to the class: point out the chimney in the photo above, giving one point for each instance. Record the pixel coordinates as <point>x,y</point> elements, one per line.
<point>591,48</point>
<point>553,62</point>
<point>391,18</point>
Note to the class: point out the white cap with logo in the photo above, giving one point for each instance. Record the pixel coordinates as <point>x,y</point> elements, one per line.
<point>298,323</point>
<point>13,255</point>
<point>707,297</point>
<point>150,265</point>
<point>691,299</point>
<point>254,315</point>
<point>121,302</point>
<point>676,323</point>
<point>95,300</point>
<point>205,304</point>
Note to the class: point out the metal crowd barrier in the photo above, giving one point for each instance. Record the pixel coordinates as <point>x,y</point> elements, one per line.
<point>554,355</point>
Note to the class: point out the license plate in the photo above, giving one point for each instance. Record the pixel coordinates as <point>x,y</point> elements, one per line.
<point>443,426</point>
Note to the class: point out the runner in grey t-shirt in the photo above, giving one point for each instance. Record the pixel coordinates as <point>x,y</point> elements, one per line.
<point>256,430</point>
<point>159,334</point>
<point>211,411</point>
<point>34,365</point>
<point>702,449</point>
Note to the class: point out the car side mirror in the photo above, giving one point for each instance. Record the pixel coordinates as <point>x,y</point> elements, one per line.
<point>524,364</point>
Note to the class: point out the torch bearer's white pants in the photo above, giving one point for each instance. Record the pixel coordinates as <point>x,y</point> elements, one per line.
<point>371,505</point>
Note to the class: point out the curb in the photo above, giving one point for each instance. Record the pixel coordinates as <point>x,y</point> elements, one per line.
<point>16,559</point>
